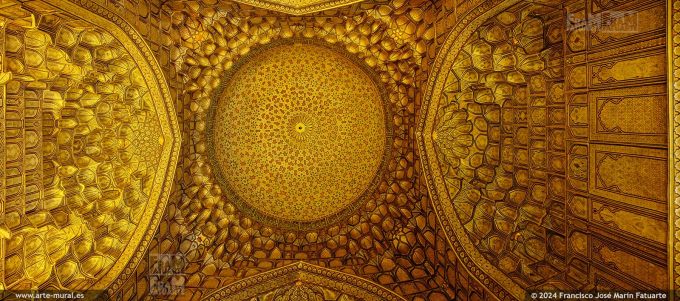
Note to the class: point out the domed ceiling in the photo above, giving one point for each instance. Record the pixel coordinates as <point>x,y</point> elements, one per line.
<point>299,135</point>
<point>338,150</point>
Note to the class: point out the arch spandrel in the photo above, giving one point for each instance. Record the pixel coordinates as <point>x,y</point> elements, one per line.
<point>91,165</point>
<point>460,139</point>
<point>304,281</point>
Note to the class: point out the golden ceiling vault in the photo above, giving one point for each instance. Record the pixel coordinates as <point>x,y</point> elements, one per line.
<point>338,150</point>
<point>299,134</point>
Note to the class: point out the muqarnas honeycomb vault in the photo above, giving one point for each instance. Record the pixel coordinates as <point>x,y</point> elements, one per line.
<point>339,150</point>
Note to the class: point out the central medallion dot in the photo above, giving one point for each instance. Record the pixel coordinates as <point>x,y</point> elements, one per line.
<point>300,127</point>
<point>302,177</point>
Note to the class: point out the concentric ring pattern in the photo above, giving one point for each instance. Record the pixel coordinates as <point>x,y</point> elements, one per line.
<point>298,133</point>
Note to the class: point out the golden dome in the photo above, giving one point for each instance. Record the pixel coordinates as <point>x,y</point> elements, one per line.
<point>298,133</point>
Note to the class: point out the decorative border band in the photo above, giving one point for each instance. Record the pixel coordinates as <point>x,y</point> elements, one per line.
<point>673,49</point>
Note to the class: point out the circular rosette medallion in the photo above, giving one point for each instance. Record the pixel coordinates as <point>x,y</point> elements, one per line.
<point>298,134</point>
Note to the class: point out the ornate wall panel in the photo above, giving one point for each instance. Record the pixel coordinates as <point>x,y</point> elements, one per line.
<point>628,174</point>
<point>557,160</point>
<point>90,141</point>
<point>643,151</point>
<point>629,115</point>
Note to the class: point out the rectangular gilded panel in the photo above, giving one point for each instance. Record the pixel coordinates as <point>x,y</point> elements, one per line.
<point>629,115</point>
<point>629,175</point>
<point>634,222</point>
<point>604,281</point>
<point>625,24</point>
<point>635,69</point>
<point>629,263</point>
